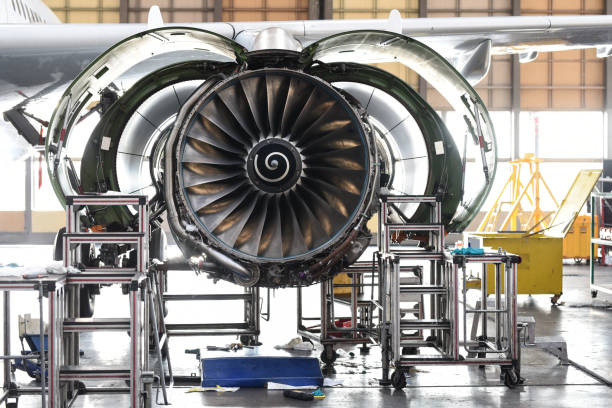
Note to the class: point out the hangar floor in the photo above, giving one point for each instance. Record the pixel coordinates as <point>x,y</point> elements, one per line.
<point>585,323</point>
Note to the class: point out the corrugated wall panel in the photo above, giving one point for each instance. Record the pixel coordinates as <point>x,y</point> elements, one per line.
<point>264,10</point>
<point>85,11</point>
<point>496,88</point>
<point>568,80</point>
<point>173,11</point>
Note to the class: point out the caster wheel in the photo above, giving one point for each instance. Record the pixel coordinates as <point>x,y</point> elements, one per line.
<point>328,356</point>
<point>249,341</point>
<point>410,350</point>
<point>593,294</point>
<point>555,299</point>
<point>511,379</point>
<point>398,380</point>
<point>364,350</point>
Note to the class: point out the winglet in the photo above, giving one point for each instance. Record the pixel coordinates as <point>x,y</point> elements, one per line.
<point>395,21</point>
<point>155,19</point>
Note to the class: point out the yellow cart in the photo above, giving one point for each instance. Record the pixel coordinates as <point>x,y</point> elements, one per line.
<point>541,269</point>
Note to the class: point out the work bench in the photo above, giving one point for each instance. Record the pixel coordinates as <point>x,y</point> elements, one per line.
<point>46,286</point>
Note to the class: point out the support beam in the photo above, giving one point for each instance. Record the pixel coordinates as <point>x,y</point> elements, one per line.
<point>314,9</point>
<point>218,10</point>
<point>422,81</point>
<point>607,143</point>
<point>516,105</point>
<point>29,187</point>
<point>123,11</point>
<point>320,9</point>
<point>327,8</point>
<point>516,91</point>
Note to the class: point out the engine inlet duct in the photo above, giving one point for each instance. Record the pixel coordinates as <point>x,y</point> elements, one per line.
<point>274,167</point>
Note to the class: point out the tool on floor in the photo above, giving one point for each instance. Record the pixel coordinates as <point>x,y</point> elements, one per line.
<point>193,351</point>
<point>217,348</point>
<point>318,394</point>
<point>298,395</point>
<point>34,276</point>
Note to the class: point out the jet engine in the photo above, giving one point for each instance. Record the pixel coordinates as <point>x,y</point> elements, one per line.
<point>267,164</point>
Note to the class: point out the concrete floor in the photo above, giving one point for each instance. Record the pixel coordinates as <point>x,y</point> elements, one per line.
<point>585,323</point>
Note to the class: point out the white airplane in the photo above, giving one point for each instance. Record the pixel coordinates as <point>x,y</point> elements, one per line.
<point>229,126</point>
<point>39,56</point>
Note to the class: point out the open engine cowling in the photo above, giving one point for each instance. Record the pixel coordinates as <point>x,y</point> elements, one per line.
<point>269,162</point>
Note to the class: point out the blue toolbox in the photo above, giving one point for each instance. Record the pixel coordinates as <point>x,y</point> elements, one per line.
<point>248,368</point>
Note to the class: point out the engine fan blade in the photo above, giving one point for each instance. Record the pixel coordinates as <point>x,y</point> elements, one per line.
<point>235,223</point>
<point>215,215</point>
<point>276,91</point>
<point>336,198</point>
<point>311,228</point>
<point>200,173</point>
<point>345,179</point>
<point>236,102</point>
<point>293,240</point>
<point>199,152</point>
<point>344,159</point>
<point>220,115</point>
<point>255,91</point>
<point>297,95</point>
<point>250,236</point>
<point>207,132</point>
<point>329,219</point>
<point>271,243</point>
<point>205,194</point>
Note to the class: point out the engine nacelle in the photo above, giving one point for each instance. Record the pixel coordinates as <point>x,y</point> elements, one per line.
<point>269,163</point>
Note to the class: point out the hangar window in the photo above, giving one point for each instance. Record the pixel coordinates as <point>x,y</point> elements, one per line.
<point>15,201</point>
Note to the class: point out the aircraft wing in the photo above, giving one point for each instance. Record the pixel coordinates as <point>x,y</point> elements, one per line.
<point>467,42</point>
<point>518,34</point>
<point>35,57</point>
